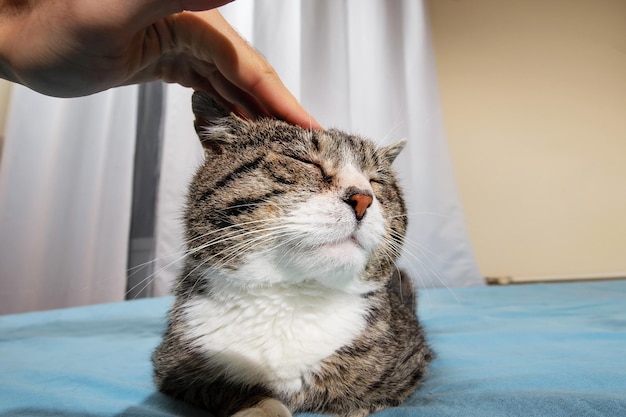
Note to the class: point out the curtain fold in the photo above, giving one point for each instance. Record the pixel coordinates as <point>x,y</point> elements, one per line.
<point>146,174</point>
<point>364,66</point>
<point>65,192</point>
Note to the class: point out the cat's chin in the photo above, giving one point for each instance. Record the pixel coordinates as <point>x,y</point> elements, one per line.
<point>344,252</point>
<point>350,241</point>
<point>337,264</point>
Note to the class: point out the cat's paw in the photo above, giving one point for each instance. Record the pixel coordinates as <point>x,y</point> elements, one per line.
<point>266,408</point>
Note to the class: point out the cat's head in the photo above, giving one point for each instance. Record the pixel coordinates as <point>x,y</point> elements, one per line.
<point>275,203</point>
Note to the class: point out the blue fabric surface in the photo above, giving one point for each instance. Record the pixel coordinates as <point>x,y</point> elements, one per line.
<point>536,350</point>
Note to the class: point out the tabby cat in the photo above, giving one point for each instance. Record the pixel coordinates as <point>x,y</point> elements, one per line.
<point>289,299</point>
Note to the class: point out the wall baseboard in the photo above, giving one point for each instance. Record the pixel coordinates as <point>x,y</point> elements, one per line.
<point>510,280</point>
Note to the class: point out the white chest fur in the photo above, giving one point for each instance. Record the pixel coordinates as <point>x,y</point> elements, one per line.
<point>277,335</point>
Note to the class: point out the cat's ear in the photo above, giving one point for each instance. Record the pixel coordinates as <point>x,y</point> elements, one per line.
<point>206,108</point>
<point>215,125</point>
<point>389,153</point>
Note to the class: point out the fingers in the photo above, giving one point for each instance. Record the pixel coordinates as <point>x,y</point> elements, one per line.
<point>208,54</point>
<point>271,93</point>
<point>248,80</point>
<point>231,96</point>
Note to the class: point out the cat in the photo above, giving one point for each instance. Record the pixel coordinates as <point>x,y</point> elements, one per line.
<point>289,299</point>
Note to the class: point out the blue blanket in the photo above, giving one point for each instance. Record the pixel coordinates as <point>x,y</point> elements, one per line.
<point>536,350</point>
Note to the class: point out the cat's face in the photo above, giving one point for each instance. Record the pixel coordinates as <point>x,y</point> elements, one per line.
<point>275,203</point>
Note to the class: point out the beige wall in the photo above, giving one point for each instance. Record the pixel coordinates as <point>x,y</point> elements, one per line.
<point>534,103</point>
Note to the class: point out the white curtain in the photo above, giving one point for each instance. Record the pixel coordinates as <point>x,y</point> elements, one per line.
<point>364,66</point>
<point>65,198</point>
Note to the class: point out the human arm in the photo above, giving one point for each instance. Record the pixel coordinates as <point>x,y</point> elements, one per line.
<point>69,48</point>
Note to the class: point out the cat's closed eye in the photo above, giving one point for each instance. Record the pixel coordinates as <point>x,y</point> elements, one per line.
<point>325,177</point>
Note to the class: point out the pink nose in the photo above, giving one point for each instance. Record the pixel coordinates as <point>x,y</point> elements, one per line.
<point>360,203</point>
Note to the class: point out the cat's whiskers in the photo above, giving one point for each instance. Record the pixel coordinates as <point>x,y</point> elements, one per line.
<point>425,261</point>
<point>180,255</point>
<point>231,252</point>
<point>150,278</point>
<point>292,230</point>
<point>426,264</point>
<point>394,252</point>
<point>237,250</point>
<point>393,249</point>
<point>421,213</point>
<point>246,245</point>
<point>292,251</point>
<point>422,249</point>
<point>391,256</point>
<point>230,235</point>
<point>220,240</point>
<point>278,240</point>
<point>392,131</point>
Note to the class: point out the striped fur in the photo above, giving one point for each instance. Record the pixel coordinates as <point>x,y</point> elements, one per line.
<point>289,301</point>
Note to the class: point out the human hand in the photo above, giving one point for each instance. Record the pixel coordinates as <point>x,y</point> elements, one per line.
<point>69,48</point>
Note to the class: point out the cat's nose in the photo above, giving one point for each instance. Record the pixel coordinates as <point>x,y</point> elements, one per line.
<point>359,201</point>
